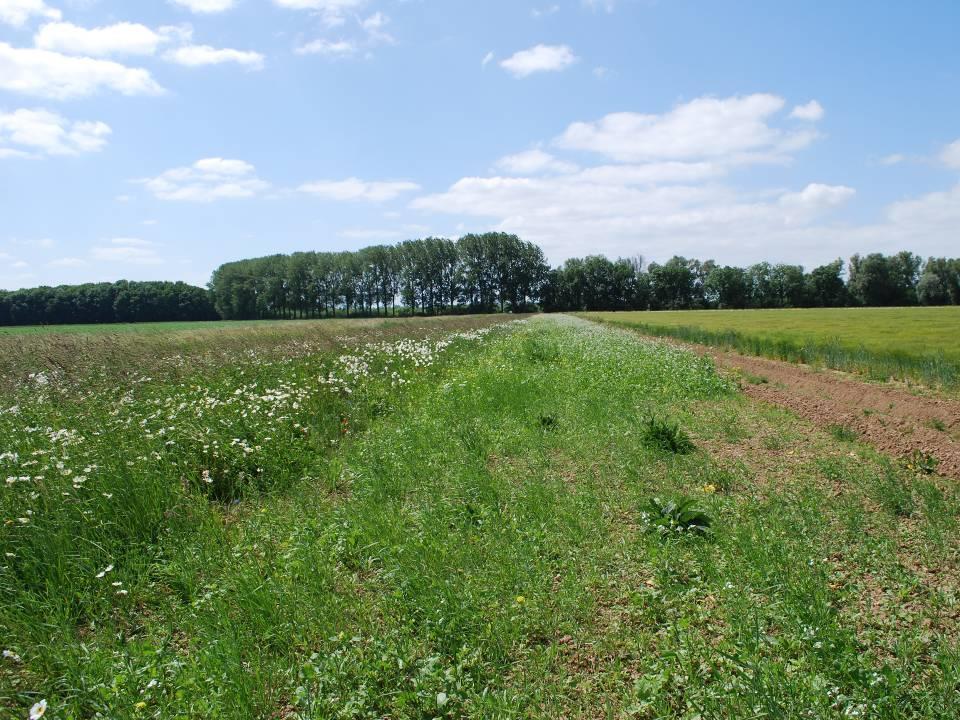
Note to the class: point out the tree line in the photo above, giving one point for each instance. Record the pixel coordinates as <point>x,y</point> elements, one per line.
<point>121,301</point>
<point>597,283</point>
<point>497,272</point>
<point>493,272</point>
<point>480,273</point>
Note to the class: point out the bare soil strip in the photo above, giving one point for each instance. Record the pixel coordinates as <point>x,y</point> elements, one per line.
<point>893,420</point>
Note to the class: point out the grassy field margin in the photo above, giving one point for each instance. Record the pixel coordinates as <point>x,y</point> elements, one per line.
<point>480,541</point>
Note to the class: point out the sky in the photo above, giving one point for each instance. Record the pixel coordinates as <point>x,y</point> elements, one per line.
<point>150,140</point>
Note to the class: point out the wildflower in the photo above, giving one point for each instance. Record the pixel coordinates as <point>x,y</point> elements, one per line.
<point>38,710</point>
<point>11,655</point>
<point>521,599</point>
<point>140,705</point>
<point>108,568</point>
<point>709,488</point>
<point>205,476</point>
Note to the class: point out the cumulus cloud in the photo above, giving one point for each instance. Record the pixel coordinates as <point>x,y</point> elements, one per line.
<point>205,7</point>
<point>207,180</point>
<point>119,39</point>
<point>45,132</point>
<point>736,128</point>
<point>353,189</point>
<point>811,112</point>
<point>196,55</point>
<point>333,12</point>
<point>540,58</point>
<point>371,33</point>
<point>813,200</point>
<point>330,48</point>
<point>49,74</point>
<point>564,212</point>
<point>68,262</point>
<point>950,155</point>
<point>537,13</point>
<point>375,28</point>
<point>132,251</point>
<point>17,12</point>
<point>321,5</point>
<point>659,188</point>
<point>532,162</point>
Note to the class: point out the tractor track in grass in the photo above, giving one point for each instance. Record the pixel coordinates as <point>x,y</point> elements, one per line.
<point>893,420</point>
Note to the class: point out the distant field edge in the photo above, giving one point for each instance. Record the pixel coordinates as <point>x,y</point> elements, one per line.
<point>933,369</point>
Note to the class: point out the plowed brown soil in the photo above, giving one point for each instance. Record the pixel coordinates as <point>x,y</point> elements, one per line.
<point>894,420</point>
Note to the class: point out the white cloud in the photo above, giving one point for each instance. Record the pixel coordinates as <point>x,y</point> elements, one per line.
<point>333,12</point>
<point>119,39</point>
<point>540,58</point>
<point>929,212</point>
<point>205,6</point>
<point>332,48</point>
<point>356,189</point>
<point>17,12</point>
<point>950,155</point>
<point>894,159</point>
<point>608,5</point>
<point>533,161</point>
<point>374,26</point>
<point>813,200</point>
<point>68,262</point>
<point>131,251</point>
<point>321,5</point>
<point>566,213</point>
<point>11,153</point>
<point>196,55</point>
<point>537,13</point>
<point>207,180</point>
<point>812,111</point>
<point>372,33</point>
<point>50,74</point>
<point>734,128</point>
<point>487,59</point>
<point>663,194</point>
<point>34,243</point>
<point>47,132</point>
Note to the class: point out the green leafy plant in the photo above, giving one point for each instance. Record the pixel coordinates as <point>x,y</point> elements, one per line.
<point>893,493</point>
<point>675,517</point>
<point>938,424</point>
<point>666,436</point>
<point>921,462</point>
<point>843,433</point>
<point>547,421</point>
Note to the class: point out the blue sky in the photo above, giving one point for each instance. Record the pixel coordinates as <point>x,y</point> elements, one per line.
<point>156,140</point>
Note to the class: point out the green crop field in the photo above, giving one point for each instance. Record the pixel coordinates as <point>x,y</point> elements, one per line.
<point>914,344</point>
<point>455,518</point>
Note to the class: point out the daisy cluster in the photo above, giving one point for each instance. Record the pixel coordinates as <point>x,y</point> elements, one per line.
<point>221,432</point>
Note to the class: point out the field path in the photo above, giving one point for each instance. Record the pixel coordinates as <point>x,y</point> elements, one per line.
<point>893,420</point>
